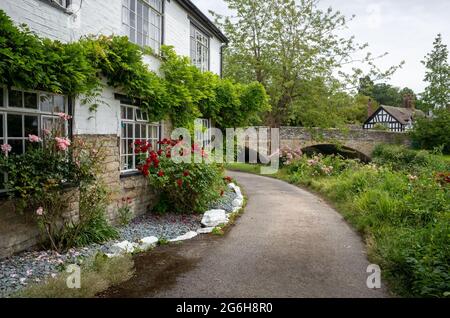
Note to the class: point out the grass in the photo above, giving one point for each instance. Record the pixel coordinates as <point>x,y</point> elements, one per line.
<point>97,274</point>
<point>405,222</point>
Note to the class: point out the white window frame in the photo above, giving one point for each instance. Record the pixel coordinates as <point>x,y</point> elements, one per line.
<point>6,110</point>
<point>200,48</point>
<point>142,120</point>
<point>204,137</point>
<point>149,27</point>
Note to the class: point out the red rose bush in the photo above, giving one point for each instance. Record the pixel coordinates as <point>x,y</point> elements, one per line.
<point>185,186</point>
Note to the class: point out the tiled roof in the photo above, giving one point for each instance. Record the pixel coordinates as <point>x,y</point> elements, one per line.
<point>403,115</point>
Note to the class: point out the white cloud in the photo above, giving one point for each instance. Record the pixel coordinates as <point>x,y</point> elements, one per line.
<point>404,28</point>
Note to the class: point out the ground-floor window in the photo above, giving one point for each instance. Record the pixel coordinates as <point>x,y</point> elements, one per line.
<point>135,126</point>
<point>204,136</point>
<point>24,113</point>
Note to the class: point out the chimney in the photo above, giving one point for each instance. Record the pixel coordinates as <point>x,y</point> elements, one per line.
<point>409,102</point>
<point>369,108</point>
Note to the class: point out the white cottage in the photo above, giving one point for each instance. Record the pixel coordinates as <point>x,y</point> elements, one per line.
<point>117,123</point>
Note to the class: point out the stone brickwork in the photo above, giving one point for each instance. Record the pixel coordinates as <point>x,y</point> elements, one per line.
<point>20,232</point>
<point>360,140</point>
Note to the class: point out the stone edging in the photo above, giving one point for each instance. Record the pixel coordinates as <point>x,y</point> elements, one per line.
<point>211,219</point>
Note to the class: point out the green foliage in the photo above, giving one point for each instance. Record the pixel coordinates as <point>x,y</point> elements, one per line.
<point>437,93</point>
<point>400,207</point>
<point>41,181</point>
<point>182,93</point>
<point>92,226</point>
<point>430,133</point>
<point>186,186</point>
<point>124,212</point>
<point>401,157</point>
<point>400,204</point>
<point>289,46</point>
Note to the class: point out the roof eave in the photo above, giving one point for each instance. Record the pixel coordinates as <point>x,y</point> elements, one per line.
<point>201,17</point>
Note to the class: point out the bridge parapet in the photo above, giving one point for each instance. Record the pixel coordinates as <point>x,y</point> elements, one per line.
<point>361,140</point>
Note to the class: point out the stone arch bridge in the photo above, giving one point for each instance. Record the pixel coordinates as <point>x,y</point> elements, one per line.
<point>359,142</point>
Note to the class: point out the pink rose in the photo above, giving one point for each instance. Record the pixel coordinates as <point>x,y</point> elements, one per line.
<point>62,143</point>
<point>6,148</point>
<point>40,211</point>
<point>64,116</point>
<point>46,131</point>
<point>34,138</point>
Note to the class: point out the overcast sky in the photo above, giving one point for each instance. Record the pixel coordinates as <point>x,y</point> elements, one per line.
<point>404,28</point>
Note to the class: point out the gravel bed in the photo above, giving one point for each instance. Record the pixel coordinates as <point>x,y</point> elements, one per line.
<point>22,269</point>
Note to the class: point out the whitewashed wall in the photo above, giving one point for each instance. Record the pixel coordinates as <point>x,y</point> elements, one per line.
<point>102,17</point>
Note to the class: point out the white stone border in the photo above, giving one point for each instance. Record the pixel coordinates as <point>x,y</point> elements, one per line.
<point>211,219</point>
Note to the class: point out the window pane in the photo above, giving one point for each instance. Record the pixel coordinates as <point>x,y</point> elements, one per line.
<point>1,125</point>
<point>137,132</point>
<point>58,104</point>
<point>130,130</point>
<point>31,125</point>
<point>1,96</point>
<point>46,101</point>
<point>14,126</point>
<point>130,113</point>
<point>139,8</point>
<point>123,112</point>
<point>15,98</point>
<point>133,5</point>
<point>16,146</point>
<point>30,100</point>
<point>125,16</point>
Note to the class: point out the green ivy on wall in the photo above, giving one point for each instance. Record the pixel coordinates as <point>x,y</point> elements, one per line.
<point>181,92</point>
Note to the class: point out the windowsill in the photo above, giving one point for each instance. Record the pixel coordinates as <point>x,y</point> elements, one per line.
<point>130,174</point>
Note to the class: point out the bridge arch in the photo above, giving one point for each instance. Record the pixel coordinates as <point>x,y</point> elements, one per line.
<point>333,149</point>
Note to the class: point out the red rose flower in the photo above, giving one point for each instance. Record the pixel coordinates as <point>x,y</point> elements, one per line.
<point>161,173</point>
<point>186,173</point>
<point>180,183</point>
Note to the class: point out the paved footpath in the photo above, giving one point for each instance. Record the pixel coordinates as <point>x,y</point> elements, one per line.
<point>288,243</point>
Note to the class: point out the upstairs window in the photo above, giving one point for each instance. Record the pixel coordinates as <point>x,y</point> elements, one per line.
<point>63,3</point>
<point>199,49</point>
<point>142,22</point>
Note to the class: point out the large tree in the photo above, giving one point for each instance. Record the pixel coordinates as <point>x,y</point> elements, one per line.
<point>437,93</point>
<point>288,46</point>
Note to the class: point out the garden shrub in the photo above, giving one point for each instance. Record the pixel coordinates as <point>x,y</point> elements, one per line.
<point>38,184</point>
<point>187,186</point>
<point>401,203</point>
<point>401,157</point>
<point>434,132</point>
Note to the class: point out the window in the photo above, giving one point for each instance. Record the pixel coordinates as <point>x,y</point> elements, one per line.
<point>134,126</point>
<point>142,22</point>
<point>24,113</point>
<point>199,49</point>
<point>204,136</point>
<point>63,3</point>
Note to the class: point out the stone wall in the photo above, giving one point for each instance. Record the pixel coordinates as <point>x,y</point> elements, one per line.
<point>19,231</point>
<point>361,140</point>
